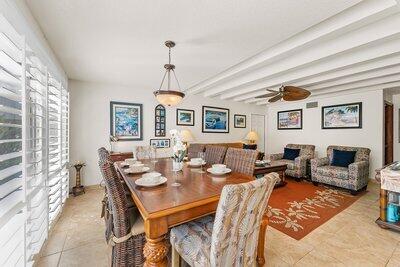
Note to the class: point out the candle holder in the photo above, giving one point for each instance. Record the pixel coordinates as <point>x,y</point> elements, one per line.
<point>78,189</point>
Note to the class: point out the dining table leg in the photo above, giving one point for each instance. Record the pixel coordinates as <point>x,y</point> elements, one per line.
<point>156,248</point>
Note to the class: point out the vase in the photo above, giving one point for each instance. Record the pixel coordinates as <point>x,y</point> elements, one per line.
<point>177,166</point>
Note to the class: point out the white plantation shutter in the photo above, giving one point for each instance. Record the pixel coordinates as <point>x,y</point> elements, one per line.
<point>36,153</point>
<point>12,184</point>
<point>34,149</point>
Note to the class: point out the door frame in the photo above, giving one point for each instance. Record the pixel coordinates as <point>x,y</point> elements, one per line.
<point>251,121</point>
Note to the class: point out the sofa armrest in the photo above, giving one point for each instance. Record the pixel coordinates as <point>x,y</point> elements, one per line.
<point>276,156</point>
<point>301,161</point>
<point>359,170</point>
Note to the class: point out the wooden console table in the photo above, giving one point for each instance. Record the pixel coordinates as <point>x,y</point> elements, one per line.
<point>120,156</point>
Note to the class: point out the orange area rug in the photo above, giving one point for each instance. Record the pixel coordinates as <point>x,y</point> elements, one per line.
<point>300,207</point>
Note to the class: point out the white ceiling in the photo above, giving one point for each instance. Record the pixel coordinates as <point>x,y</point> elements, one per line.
<point>121,42</point>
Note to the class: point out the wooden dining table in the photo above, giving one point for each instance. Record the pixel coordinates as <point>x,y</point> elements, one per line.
<point>166,206</point>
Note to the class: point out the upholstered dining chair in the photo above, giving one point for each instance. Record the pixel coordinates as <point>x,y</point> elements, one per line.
<point>241,160</point>
<point>142,152</point>
<point>215,154</point>
<point>127,237</point>
<point>235,236</point>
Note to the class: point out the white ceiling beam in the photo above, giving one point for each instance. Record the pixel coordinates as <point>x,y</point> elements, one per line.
<point>384,72</point>
<point>343,71</point>
<point>378,49</point>
<point>382,29</point>
<point>332,25</point>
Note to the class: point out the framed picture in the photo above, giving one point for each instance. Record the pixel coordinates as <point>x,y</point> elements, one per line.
<point>239,121</point>
<point>290,119</point>
<point>185,117</point>
<point>126,121</point>
<point>159,121</point>
<point>215,120</point>
<point>160,143</point>
<point>344,116</point>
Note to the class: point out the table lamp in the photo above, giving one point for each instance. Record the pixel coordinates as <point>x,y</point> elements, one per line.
<point>186,136</point>
<point>252,137</point>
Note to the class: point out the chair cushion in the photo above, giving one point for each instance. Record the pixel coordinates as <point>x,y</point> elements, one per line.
<point>289,163</point>
<point>334,172</point>
<point>342,158</point>
<point>192,240</point>
<point>291,153</point>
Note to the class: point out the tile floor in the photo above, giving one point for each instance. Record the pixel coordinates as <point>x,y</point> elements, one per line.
<point>349,239</point>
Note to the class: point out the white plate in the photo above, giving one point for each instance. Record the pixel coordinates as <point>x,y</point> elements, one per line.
<point>143,182</point>
<point>227,170</point>
<point>145,169</point>
<point>196,165</point>
<point>124,164</point>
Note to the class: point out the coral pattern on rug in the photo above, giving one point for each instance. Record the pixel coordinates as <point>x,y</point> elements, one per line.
<point>299,208</point>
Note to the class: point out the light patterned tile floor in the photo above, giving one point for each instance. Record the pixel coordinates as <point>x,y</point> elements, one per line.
<point>351,238</point>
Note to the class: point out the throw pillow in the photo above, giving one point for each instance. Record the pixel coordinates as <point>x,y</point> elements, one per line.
<point>291,153</point>
<point>342,158</point>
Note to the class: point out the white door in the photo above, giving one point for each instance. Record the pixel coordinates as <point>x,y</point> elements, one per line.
<point>258,125</point>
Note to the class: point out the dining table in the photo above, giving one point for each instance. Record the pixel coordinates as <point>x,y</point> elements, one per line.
<point>186,195</point>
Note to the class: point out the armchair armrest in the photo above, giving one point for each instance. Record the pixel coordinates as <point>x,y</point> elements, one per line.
<point>318,162</point>
<point>359,170</point>
<point>276,156</point>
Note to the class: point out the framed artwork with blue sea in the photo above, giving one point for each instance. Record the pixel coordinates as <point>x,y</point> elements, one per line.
<point>126,121</point>
<point>215,120</point>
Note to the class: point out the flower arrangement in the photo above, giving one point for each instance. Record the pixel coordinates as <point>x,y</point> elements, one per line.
<point>179,148</point>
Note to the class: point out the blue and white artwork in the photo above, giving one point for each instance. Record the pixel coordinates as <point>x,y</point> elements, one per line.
<point>215,120</point>
<point>126,121</point>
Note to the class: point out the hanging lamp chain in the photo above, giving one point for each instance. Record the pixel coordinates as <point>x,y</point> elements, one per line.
<point>168,67</point>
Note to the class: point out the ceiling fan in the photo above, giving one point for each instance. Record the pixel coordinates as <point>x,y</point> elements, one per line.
<point>288,93</point>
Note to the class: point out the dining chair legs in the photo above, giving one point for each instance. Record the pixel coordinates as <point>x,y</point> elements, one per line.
<point>176,258</point>
<point>261,241</point>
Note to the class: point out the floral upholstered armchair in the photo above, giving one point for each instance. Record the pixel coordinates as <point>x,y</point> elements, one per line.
<point>354,178</point>
<point>296,168</point>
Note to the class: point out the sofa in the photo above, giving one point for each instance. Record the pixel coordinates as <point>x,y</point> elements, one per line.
<point>296,168</point>
<point>354,178</point>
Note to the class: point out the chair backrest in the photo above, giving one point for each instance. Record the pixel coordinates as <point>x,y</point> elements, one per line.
<point>362,153</point>
<point>120,214</point>
<point>215,154</point>
<point>241,160</point>
<point>305,150</point>
<point>143,152</point>
<point>237,221</point>
<point>194,149</point>
<point>104,155</point>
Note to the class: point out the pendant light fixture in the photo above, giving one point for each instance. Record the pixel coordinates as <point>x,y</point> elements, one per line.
<point>169,97</point>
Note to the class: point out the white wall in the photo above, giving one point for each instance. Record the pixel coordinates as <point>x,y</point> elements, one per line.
<point>90,121</point>
<point>371,134</point>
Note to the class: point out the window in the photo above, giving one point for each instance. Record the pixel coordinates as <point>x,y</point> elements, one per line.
<point>34,149</point>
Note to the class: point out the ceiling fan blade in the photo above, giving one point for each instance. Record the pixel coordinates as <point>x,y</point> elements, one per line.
<point>275,98</point>
<point>267,95</point>
<point>272,91</point>
<point>293,93</point>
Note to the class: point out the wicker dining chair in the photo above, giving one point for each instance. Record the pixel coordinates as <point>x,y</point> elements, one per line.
<point>241,160</point>
<point>235,236</point>
<point>194,149</point>
<point>215,154</point>
<point>127,237</point>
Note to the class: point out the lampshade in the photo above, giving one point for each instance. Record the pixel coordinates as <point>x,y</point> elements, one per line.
<point>169,97</point>
<point>252,136</point>
<point>187,136</point>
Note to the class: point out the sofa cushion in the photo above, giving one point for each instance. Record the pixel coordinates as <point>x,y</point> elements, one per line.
<point>334,172</point>
<point>290,153</point>
<point>342,158</point>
